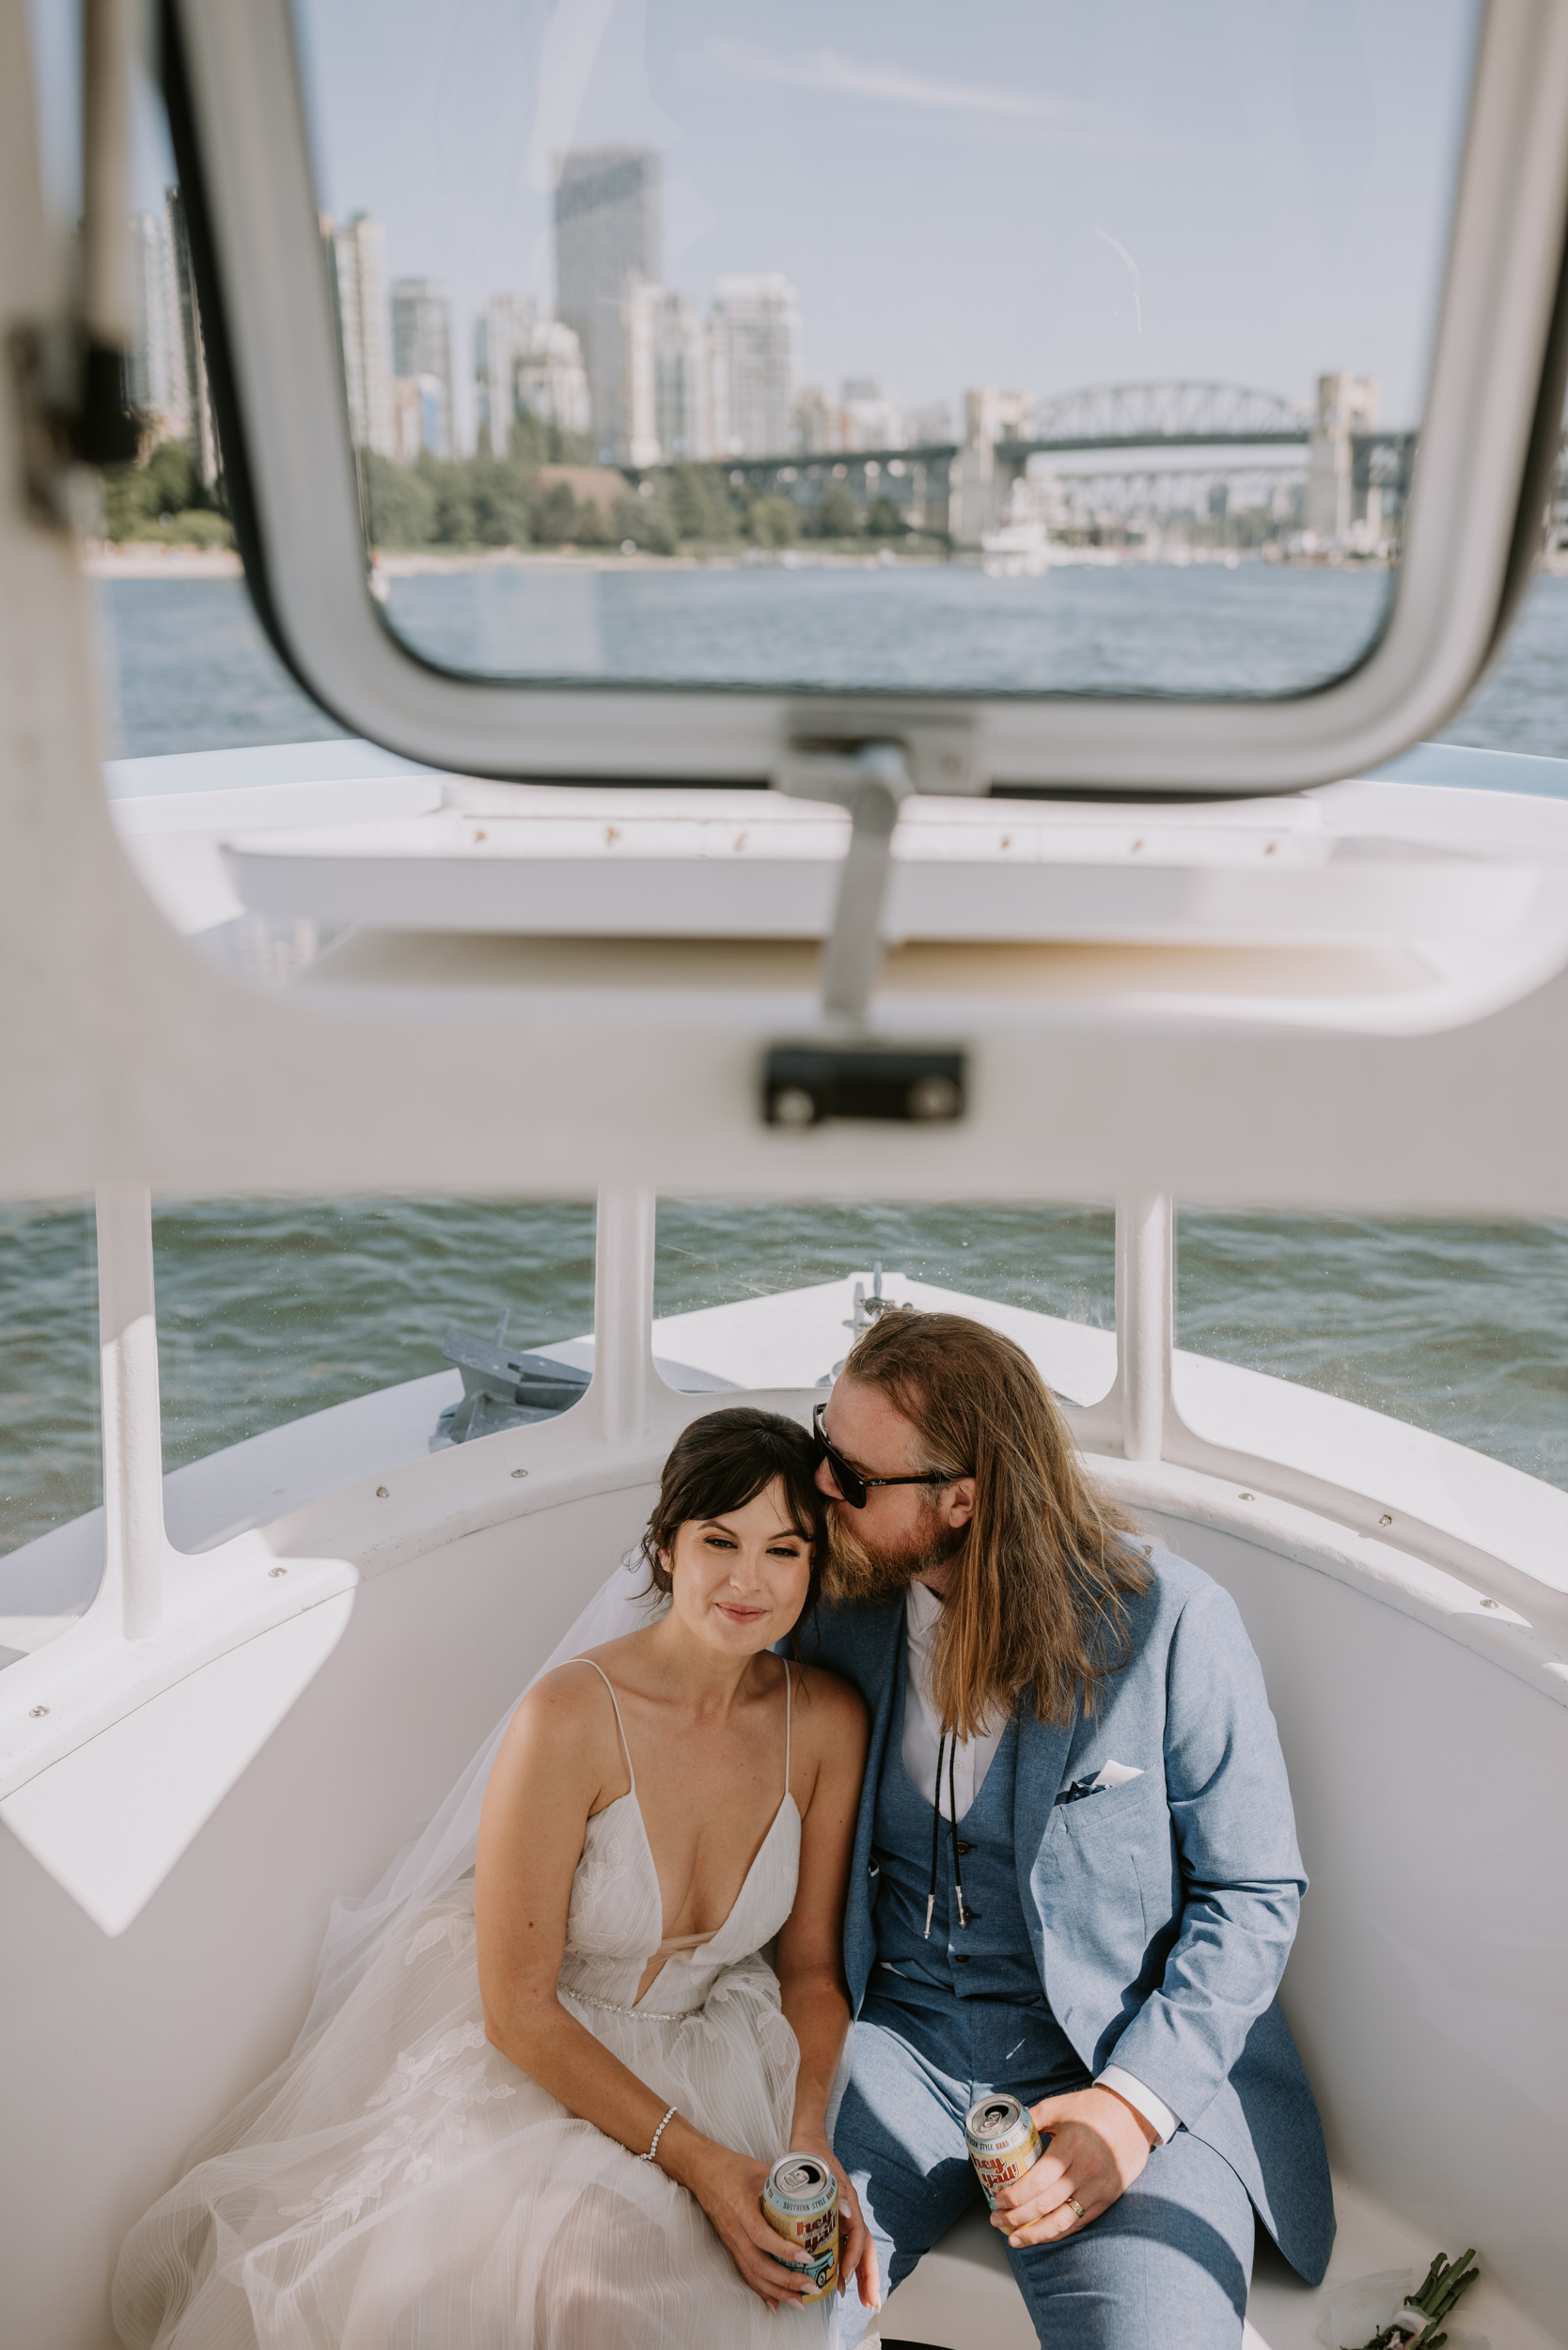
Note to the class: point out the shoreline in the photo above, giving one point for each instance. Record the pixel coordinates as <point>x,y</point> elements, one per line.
<point>152,559</point>
<point>137,559</point>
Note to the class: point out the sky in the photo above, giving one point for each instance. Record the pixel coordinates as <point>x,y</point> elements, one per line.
<point>1032,193</point>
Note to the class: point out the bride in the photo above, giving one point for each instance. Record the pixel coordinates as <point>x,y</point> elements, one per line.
<point>549,2062</point>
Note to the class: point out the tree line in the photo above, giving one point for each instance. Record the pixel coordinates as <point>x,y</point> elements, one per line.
<point>515,502</point>
<point>162,499</point>
<point>510,501</point>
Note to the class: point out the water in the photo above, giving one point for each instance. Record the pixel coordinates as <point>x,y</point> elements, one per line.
<point>1259,629</point>
<point>270,1310</point>
<point>190,670</point>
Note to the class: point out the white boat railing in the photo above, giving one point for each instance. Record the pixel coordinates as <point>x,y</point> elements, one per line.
<point>136,1543</point>
<point>625,1388</point>
<point>161,1614</point>
<point>1145,1321</point>
<point>623,1401</point>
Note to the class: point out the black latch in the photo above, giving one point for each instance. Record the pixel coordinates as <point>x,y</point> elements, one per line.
<point>918,1083</point>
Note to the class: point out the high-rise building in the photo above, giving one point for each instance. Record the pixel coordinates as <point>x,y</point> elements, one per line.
<point>683,379</point>
<point>502,333</point>
<point>665,401</point>
<point>637,441</point>
<point>609,234</point>
<point>819,424</point>
<point>931,424</point>
<point>551,383</point>
<point>358,252</point>
<point>422,353</point>
<point>408,420</point>
<point>160,386</point>
<point>203,432</point>
<point>871,420</point>
<point>755,332</point>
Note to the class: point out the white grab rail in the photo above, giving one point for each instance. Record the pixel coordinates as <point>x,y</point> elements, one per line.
<point>135,1542</point>
<point>625,1387</point>
<point>1144,1320</point>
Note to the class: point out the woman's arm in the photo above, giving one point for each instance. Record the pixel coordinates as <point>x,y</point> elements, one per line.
<point>560,1761</point>
<point>810,1945</point>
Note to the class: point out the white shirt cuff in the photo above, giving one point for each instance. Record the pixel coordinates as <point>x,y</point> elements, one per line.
<point>1153,2109</point>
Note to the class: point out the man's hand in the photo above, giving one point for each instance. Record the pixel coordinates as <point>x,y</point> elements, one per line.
<point>1098,2146</point>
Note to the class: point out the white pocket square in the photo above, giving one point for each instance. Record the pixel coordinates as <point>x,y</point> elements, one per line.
<point>1115,1774</point>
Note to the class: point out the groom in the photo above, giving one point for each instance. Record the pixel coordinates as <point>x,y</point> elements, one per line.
<point>1076,1875</point>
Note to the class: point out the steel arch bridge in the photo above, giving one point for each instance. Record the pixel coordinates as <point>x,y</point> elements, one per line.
<point>1170,416</point>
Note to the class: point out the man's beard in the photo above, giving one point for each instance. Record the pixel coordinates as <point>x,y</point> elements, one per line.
<point>855,1571</point>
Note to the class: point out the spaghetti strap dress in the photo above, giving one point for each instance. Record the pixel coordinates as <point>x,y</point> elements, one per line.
<point>400,2184</point>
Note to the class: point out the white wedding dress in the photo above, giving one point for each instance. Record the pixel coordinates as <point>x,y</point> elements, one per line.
<point>398,2184</point>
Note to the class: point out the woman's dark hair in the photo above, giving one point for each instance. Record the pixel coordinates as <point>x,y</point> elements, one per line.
<point>723,1461</point>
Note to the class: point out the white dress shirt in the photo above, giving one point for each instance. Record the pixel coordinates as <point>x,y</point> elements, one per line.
<point>972,1758</point>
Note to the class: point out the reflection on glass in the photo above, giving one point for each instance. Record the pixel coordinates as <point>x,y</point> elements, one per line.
<point>764,1294</point>
<point>1042,349</point>
<point>51,1459</point>
<point>1461,1330</point>
<point>272,1310</point>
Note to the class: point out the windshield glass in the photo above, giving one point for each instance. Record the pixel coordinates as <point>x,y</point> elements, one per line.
<point>1037,348</point>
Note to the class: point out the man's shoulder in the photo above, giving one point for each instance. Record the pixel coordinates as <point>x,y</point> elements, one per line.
<point>848,1631</point>
<point>1176,1581</point>
<point>1179,1597</point>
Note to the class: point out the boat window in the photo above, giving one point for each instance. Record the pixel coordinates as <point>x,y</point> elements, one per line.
<point>51,1458</point>
<point>1058,350</point>
<point>1457,1329</point>
<point>1044,1274</point>
<point>432,1311</point>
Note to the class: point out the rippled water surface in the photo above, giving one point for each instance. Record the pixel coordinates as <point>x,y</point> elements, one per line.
<point>271,1310</point>
<point>1259,628</point>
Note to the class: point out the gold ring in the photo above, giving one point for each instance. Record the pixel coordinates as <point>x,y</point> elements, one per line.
<point>1074,2204</point>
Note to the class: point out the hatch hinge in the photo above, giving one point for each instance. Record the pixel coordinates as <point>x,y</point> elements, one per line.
<point>872,782</point>
<point>847,1072</point>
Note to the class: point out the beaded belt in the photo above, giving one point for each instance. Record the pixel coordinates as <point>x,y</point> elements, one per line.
<point>643,2014</point>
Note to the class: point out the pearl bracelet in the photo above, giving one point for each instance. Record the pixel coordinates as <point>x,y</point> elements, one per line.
<point>657,2134</point>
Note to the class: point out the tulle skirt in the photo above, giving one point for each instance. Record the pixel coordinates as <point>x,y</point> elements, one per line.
<point>398,2184</point>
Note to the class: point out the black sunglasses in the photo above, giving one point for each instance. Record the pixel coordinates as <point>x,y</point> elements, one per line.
<point>852,1485</point>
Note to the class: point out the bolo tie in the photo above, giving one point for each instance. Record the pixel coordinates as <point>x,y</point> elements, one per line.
<point>964,1916</point>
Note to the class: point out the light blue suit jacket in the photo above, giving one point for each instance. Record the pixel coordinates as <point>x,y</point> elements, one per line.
<point>1162,1911</point>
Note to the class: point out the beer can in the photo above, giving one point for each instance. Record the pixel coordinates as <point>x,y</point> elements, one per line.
<point>801,2202</point>
<point>1003,2143</point>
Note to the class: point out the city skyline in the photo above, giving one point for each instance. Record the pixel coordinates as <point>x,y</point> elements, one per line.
<point>167,363</point>
<point>675,385</point>
<point>1062,197</point>
<point>1053,197</point>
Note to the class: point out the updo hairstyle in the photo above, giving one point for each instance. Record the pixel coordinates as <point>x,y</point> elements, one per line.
<point>723,1461</point>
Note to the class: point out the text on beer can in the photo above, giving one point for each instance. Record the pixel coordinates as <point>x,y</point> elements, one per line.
<point>800,2201</point>
<point>1003,2143</point>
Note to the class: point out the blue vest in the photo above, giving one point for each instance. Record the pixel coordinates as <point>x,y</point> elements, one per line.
<point>990,1958</point>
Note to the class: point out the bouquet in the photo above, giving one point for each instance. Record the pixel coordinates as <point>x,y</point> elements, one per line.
<point>1415,2323</point>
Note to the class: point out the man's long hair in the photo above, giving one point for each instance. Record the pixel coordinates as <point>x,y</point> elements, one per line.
<point>1042,1576</point>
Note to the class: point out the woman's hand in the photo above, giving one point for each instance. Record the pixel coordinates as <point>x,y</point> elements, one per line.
<point>729,2188</point>
<point>856,2252</point>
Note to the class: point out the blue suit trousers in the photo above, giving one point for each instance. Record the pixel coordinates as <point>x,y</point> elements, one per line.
<point>1166,2267</point>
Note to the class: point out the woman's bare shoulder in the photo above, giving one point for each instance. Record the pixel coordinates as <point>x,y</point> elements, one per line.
<point>834,1708</point>
<point>568,1712</point>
